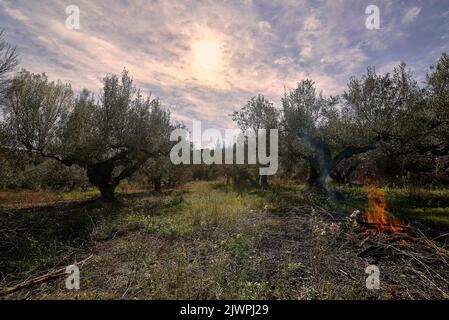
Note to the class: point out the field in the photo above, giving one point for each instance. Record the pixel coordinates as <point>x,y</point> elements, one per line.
<point>206,240</point>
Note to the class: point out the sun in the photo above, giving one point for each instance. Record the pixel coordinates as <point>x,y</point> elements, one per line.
<point>207,63</point>
<point>207,55</point>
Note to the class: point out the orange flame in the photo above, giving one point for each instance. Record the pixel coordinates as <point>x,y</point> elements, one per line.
<point>378,215</point>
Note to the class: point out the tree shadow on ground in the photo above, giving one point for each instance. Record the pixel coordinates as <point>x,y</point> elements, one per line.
<point>45,236</point>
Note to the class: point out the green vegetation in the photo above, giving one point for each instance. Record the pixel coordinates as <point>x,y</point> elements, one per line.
<point>203,241</point>
<point>199,222</point>
<point>427,205</point>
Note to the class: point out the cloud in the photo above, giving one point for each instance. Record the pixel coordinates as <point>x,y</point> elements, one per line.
<point>255,47</point>
<point>411,15</point>
<point>306,51</point>
<point>264,25</point>
<point>284,61</point>
<point>311,23</point>
<point>16,14</point>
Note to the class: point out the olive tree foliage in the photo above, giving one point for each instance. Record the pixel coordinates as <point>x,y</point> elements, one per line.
<point>258,113</point>
<point>385,106</point>
<point>435,114</point>
<point>161,173</point>
<point>427,136</point>
<point>411,122</point>
<point>36,111</point>
<point>381,106</point>
<point>111,138</point>
<point>8,62</point>
<point>386,116</point>
<point>318,131</point>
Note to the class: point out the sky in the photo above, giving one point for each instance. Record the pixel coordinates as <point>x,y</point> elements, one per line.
<point>206,58</point>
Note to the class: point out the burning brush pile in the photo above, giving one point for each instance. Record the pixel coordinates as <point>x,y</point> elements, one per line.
<point>412,251</point>
<point>378,219</point>
<point>336,247</point>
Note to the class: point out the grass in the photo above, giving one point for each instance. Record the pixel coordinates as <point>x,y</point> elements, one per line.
<point>209,245</point>
<point>426,205</point>
<point>170,236</point>
<point>32,240</point>
<point>16,199</point>
<point>203,241</point>
<point>30,198</point>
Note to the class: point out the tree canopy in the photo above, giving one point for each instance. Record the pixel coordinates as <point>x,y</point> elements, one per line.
<point>111,138</point>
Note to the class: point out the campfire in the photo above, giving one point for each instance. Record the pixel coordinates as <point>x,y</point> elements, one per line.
<point>378,219</point>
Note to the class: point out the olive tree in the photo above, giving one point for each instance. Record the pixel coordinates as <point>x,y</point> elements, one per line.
<point>410,122</point>
<point>258,113</point>
<point>111,138</point>
<point>434,116</point>
<point>316,129</point>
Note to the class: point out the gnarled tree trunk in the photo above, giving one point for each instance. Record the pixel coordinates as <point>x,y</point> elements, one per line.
<point>157,183</point>
<point>323,166</point>
<point>100,175</point>
<point>264,182</point>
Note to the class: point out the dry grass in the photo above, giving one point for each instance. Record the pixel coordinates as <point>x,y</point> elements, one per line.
<point>29,198</point>
<point>207,242</point>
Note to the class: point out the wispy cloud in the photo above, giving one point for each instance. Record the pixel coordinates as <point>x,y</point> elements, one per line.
<point>411,15</point>
<point>255,46</point>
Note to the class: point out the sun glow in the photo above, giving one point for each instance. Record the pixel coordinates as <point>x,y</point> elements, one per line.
<point>207,55</point>
<point>207,59</point>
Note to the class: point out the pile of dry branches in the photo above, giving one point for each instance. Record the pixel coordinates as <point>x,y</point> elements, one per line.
<point>413,265</point>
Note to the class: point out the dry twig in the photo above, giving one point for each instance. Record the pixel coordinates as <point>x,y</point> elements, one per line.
<point>40,279</point>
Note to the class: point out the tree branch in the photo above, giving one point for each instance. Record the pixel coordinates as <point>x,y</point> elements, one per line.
<point>348,152</point>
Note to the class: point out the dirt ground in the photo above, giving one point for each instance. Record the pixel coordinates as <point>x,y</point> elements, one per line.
<point>209,243</point>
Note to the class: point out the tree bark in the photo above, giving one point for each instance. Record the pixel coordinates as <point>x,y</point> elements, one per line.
<point>100,175</point>
<point>264,182</point>
<point>107,191</point>
<point>157,183</point>
<point>323,166</point>
<point>314,179</point>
